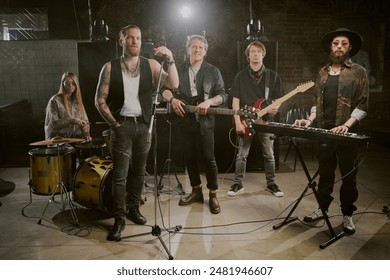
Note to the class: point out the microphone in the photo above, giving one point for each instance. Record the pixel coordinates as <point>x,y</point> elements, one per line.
<point>166,59</point>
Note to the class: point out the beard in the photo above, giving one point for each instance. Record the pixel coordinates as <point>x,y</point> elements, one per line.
<point>338,59</point>
<point>131,51</point>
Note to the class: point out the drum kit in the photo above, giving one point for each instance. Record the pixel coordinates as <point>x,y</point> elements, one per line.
<point>72,164</point>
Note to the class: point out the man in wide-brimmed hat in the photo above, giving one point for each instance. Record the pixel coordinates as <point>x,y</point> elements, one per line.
<point>355,40</point>
<point>341,103</point>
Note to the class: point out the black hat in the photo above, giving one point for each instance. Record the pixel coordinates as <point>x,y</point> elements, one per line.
<point>355,40</point>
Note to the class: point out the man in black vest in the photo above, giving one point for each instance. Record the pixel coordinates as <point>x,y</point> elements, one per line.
<point>124,98</point>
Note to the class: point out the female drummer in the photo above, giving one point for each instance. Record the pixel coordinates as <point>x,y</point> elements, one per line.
<point>65,112</point>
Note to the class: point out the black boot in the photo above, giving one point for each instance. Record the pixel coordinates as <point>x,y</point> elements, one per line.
<point>213,203</point>
<point>115,232</point>
<point>135,216</point>
<point>195,196</point>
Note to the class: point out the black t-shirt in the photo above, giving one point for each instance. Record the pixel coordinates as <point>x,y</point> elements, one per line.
<point>330,101</point>
<point>249,91</point>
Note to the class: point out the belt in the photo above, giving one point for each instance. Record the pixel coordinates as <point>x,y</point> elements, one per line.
<point>134,119</point>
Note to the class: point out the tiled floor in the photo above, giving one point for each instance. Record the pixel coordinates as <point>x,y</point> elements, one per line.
<point>243,229</point>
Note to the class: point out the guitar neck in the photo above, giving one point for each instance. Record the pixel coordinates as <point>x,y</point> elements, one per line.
<point>214,111</point>
<point>277,103</point>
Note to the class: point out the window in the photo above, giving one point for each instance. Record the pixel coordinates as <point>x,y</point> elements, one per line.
<point>23,24</point>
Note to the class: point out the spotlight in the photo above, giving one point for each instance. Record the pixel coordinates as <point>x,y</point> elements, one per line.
<point>99,31</point>
<point>185,12</point>
<point>255,31</point>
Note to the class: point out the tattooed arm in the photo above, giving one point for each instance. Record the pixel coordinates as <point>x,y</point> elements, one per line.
<point>102,92</point>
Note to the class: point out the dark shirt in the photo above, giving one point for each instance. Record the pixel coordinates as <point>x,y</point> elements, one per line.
<point>353,92</point>
<point>330,101</point>
<point>250,90</point>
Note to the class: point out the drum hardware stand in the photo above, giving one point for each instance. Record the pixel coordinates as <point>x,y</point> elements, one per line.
<point>63,191</point>
<point>312,185</point>
<point>156,230</point>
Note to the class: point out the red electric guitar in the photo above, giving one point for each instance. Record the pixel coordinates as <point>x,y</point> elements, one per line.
<point>260,112</point>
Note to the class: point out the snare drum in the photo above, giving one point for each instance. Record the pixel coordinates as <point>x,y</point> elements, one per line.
<point>90,149</point>
<point>46,167</point>
<point>92,186</point>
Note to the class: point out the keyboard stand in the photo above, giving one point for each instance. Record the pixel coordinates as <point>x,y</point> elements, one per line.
<point>311,184</point>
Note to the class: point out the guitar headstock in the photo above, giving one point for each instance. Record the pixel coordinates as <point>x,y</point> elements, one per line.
<point>305,86</point>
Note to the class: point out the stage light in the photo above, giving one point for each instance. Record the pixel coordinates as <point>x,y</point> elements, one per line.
<point>185,12</point>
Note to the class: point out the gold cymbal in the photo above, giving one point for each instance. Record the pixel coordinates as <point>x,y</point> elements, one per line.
<point>57,140</point>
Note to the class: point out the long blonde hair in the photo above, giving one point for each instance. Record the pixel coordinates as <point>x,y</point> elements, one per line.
<point>76,95</point>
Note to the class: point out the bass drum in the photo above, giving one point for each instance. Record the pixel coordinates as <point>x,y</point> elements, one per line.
<point>92,186</point>
<point>46,167</point>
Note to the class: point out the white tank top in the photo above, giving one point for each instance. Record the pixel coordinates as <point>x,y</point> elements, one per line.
<point>131,105</point>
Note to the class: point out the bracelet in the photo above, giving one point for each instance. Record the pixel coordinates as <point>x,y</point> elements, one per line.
<point>310,121</point>
<point>170,100</point>
<point>170,62</point>
<point>346,126</point>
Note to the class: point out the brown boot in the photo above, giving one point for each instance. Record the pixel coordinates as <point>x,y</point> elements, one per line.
<point>195,196</point>
<point>213,203</point>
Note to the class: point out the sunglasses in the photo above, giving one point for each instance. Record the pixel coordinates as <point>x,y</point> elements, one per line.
<point>69,84</point>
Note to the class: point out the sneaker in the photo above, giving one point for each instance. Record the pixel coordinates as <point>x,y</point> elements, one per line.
<point>235,189</point>
<point>315,216</point>
<point>274,189</point>
<point>349,227</point>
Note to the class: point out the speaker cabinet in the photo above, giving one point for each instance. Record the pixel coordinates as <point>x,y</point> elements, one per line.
<point>91,58</point>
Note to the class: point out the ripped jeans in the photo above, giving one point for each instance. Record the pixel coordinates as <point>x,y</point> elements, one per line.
<point>267,146</point>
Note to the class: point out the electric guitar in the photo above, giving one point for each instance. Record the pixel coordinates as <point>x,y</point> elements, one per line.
<point>260,112</point>
<point>244,113</point>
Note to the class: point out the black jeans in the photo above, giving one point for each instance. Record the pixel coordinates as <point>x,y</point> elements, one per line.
<point>346,157</point>
<point>129,149</point>
<point>199,147</point>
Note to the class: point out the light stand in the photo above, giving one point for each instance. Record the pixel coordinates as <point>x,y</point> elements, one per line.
<point>156,230</point>
<point>63,191</point>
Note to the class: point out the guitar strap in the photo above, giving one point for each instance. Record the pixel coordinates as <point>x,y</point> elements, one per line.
<point>267,77</point>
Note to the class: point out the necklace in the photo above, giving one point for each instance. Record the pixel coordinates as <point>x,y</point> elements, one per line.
<point>133,73</point>
<point>334,71</point>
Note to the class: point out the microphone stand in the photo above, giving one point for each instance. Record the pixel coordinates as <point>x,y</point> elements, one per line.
<point>156,230</point>
<point>167,164</point>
